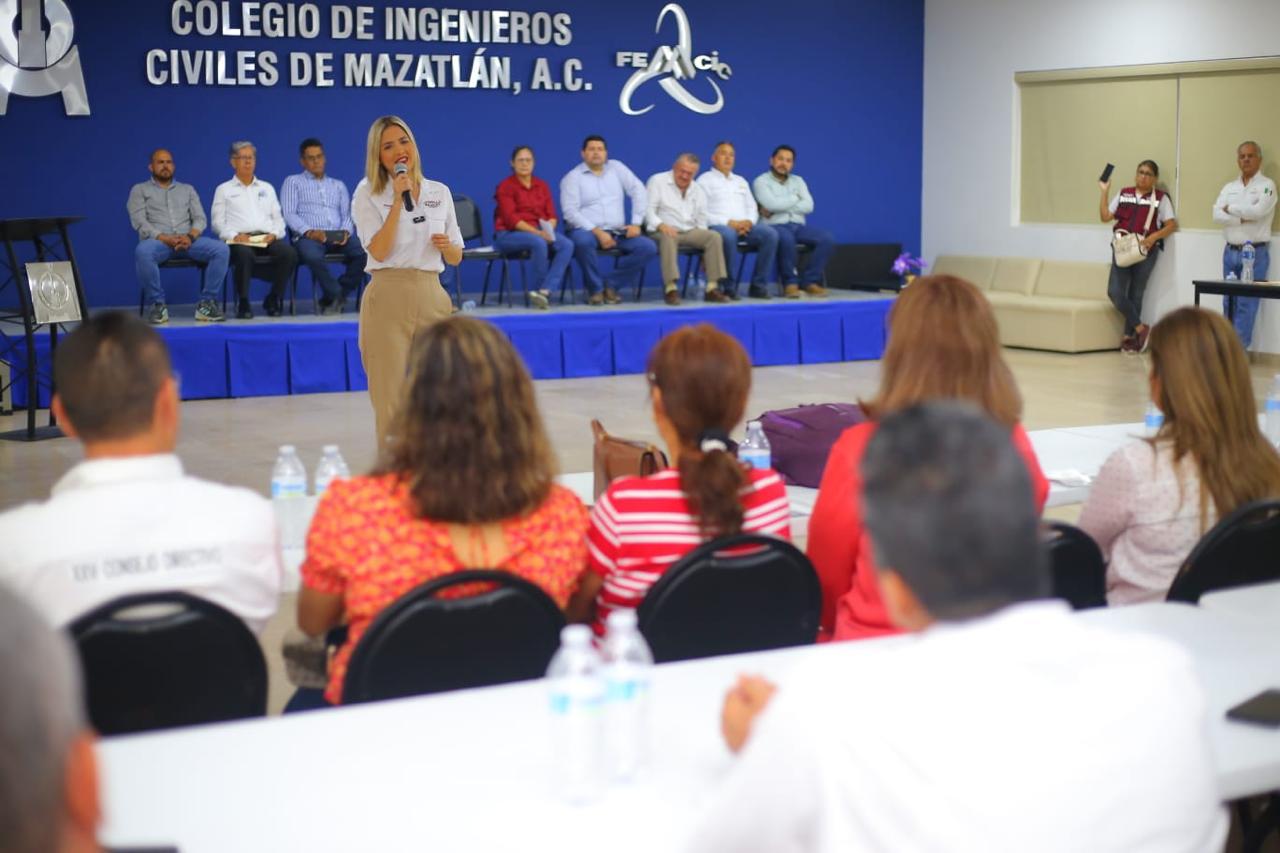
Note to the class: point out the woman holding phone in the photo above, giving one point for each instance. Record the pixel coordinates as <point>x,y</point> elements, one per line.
<point>1146,211</point>
<point>410,232</point>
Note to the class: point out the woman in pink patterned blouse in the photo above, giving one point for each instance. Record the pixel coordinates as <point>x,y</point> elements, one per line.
<point>1154,498</point>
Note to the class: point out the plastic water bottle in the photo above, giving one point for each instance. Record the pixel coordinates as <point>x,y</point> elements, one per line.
<point>577,708</point>
<point>288,493</point>
<point>1247,256</point>
<point>1153,420</point>
<point>628,672</point>
<point>1273,412</point>
<point>754,450</point>
<point>330,467</point>
<point>700,287</point>
<point>469,306</point>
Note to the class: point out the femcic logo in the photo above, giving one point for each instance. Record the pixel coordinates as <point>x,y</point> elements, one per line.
<point>673,64</point>
<point>35,63</point>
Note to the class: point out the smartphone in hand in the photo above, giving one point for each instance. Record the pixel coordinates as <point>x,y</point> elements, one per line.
<point>1106,173</point>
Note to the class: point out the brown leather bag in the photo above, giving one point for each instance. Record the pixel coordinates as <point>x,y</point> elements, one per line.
<point>615,457</point>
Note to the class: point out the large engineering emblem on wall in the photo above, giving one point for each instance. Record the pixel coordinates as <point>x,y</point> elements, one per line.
<point>673,66</point>
<point>34,63</point>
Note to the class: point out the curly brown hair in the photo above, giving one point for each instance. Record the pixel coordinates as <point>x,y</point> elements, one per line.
<point>469,439</point>
<point>704,377</point>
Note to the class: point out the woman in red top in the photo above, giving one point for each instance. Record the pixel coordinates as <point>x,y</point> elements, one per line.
<point>467,483</point>
<point>942,343</point>
<point>525,221</point>
<point>699,379</point>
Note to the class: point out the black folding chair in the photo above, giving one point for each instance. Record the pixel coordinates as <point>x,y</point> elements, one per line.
<point>426,644</point>
<point>1241,549</point>
<point>180,264</point>
<point>164,659</point>
<point>330,258</point>
<point>1079,572</point>
<point>735,594</point>
<point>473,229</point>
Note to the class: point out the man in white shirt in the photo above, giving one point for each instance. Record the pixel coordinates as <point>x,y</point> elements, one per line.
<point>246,214</point>
<point>127,520</point>
<point>676,218</point>
<point>733,214</point>
<point>1245,208</point>
<point>1005,724</point>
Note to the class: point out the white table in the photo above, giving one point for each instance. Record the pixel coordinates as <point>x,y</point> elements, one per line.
<point>1260,601</point>
<point>470,770</point>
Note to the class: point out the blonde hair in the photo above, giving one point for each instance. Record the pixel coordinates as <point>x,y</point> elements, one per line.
<point>1206,395</point>
<point>943,343</point>
<point>375,173</point>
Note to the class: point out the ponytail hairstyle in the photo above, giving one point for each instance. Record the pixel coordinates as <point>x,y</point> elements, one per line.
<point>704,376</point>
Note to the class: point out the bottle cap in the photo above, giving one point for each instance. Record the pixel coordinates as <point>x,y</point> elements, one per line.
<point>331,448</point>
<point>621,620</point>
<point>575,635</point>
<point>288,448</point>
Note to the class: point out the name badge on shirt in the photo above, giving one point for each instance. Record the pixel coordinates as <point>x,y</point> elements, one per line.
<point>418,219</point>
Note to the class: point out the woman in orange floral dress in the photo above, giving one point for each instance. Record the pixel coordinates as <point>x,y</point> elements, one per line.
<point>467,481</point>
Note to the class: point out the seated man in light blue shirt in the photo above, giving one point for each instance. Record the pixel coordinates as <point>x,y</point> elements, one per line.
<point>317,210</point>
<point>784,201</point>
<point>592,197</point>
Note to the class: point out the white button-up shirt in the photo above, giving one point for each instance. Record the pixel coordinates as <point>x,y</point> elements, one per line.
<point>683,210</point>
<point>1255,203</point>
<point>241,209</point>
<point>433,213</point>
<point>728,198</point>
<point>116,527</point>
<point>1025,730</point>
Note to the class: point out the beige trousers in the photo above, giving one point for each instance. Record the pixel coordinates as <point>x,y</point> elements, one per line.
<point>397,304</point>
<point>698,238</point>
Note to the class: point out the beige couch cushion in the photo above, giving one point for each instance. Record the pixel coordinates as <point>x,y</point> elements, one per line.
<point>1075,279</point>
<point>1015,275</point>
<point>1057,323</point>
<point>972,268</point>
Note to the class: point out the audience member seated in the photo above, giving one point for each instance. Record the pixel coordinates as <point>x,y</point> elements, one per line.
<point>785,203</point>
<point>699,379</point>
<point>677,219</point>
<point>942,344</point>
<point>48,774</point>
<point>467,483</point>
<point>525,221</point>
<point>247,215</point>
<point>1155,497</point>
<point>317,209</point>
<point>170,222</point>
<point>1008,724</point>
<point>127,520</point>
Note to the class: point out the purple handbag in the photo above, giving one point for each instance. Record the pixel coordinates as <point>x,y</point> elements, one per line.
<point>801,438</point>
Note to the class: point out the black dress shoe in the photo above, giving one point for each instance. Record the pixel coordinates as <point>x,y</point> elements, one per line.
<point>758,292</point>
<point>272,306</point>
<point>243,311</point>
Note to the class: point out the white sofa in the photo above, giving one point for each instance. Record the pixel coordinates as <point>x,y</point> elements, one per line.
<point>1049,305</point>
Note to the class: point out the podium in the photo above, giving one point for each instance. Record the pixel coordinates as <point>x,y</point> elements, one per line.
<point>18,306</point>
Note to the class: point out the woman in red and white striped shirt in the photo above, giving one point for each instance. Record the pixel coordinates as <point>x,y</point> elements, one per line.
<point>699,379</point>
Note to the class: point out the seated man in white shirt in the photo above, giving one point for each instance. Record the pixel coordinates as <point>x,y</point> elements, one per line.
<point>677,217</point>
<point>48,774</point>
<point>1006,724</point>
<point>246,214</point>
<point>732,213</point>
<point>127,520</point>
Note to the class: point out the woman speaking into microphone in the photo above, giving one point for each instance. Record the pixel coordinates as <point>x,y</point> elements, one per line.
<point>410,232</point>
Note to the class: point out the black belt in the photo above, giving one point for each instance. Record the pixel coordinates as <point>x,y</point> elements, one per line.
<point>1240,246</point>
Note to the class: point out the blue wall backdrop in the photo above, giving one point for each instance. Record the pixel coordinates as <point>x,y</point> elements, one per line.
<point>840,81</point>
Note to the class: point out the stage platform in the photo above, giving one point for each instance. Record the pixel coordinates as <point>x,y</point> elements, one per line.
<point>307,354</point>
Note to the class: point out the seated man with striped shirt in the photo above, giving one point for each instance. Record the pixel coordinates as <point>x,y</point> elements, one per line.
<point>317,209</point>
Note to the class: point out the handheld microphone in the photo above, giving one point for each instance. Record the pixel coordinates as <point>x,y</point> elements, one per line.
<point>401,169</point>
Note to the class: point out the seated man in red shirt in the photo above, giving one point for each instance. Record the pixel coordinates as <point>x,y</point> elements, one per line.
<point>525,221</point>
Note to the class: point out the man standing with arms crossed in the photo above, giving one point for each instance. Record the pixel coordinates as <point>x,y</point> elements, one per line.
<point>316,208</point>
<point>784,202</point>
<point>1245,208</point>
<point>169,220</point>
